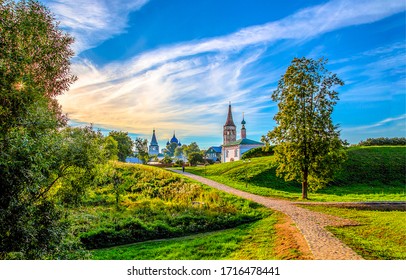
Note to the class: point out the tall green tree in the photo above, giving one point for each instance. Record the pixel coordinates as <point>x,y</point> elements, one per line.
<point>125,144</point>
<point>170,149</point>
<point>195,158</point>
<point>308,146</point>
<point>141,146</point>
<point>191,148</point>
<point>34,69</point>
<point>81,152</point>
<point>111,148</point>
<point>179,151</point>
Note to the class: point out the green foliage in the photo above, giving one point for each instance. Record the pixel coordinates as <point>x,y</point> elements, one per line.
<point>34,68</point>
<point>141,146</point>
<point>195,158</point>
<point>170,149</point>
<point>179,162</point>
<point>191,148</point>
<point>308,148</point>
<point>179,151</point>
<point>258,152</point>
<point>111,148</point>
<point>81,152</point>
<point>166,160</point>
<point>125,144</point>
<point>384,141</point>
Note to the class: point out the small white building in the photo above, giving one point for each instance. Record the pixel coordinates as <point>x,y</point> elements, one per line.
<point>234,150</point>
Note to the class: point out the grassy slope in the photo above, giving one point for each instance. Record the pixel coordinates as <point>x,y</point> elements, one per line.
<point>369,174</point>
<point>381,235</point>
<point>225,244</point>
<point>254,241</point>
<point>156,204</point>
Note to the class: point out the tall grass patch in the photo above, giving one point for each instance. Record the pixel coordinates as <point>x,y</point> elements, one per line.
<point>152,203</point>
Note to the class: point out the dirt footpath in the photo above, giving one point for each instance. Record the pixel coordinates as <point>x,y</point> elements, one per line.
<point>323,245</point>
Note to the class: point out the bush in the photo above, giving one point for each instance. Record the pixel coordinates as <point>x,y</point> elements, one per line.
<point>179,163</point>
<point>195,158</point>
<point>258,152</point>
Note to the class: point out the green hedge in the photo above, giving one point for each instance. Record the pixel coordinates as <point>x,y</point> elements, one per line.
<point>384,141</point>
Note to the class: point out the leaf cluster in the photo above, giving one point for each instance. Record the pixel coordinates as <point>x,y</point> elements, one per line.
<point>124,144</point>
<point>308,146</point>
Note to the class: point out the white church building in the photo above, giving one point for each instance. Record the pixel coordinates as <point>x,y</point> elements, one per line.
<point>233,149</point>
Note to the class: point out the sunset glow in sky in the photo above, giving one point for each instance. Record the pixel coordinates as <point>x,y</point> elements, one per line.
<point>176,65</point>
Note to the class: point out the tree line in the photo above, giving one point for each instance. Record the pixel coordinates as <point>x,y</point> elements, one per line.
<point>383,141</point>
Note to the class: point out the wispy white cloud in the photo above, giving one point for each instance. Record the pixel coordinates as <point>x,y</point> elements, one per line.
<point>188,85</point>
<point>303,25</point>
<point>93,21</point>
<point>374,75</point>
<point>400,121</point>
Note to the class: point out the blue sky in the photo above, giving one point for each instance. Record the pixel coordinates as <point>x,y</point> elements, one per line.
<point>176,65</point>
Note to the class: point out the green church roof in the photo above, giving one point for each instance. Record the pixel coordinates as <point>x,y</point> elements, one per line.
<point>244,141</point>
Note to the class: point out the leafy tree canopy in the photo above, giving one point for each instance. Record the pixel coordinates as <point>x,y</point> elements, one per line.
<point>141,146</point>
<point>191,148</point>
<point>170,149</point>
<point>195,158</point>
<point>125,144</point>
<point>308,145</point>
<point>111,148</point>
<point>34,69</point>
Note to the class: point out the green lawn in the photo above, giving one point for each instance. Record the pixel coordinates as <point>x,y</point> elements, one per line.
<point>369,174</point>
<point>253,241</point>
<point>381,235</point>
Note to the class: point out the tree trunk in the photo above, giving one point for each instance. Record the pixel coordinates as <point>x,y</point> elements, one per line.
<point>304,183</point>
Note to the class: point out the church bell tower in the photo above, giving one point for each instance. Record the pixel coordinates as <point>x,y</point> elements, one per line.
<point>229,129</point>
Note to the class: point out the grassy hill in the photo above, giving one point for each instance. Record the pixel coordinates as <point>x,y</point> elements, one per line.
<point>374,165</point>
<point>370,173</point>
<point>152,203</point>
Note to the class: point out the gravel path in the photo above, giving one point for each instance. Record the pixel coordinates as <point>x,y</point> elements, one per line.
<point>322,243</point>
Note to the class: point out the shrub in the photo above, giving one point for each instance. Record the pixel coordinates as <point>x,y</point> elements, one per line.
<point>258,152</point>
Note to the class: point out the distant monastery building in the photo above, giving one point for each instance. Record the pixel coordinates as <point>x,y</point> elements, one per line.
<point>153,147</point>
